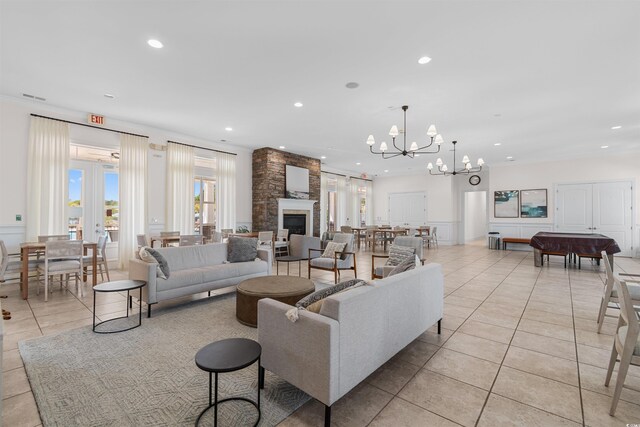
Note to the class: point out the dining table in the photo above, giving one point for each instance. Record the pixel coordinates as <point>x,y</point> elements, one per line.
<point>164,240</point>
<point>573,243</point>
<point>29,248</point>
<point>389,232</point>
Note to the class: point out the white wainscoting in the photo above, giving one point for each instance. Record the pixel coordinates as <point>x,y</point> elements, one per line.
<point>13,235</point>
<point>447,231</point>
<point>523,230</point>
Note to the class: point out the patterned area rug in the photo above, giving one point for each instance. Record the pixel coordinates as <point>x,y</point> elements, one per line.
<point>147,376</point>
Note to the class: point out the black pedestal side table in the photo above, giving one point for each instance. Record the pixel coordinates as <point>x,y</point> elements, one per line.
<point>288,259</point>
<point>118,286</point>
<point>228,355</point>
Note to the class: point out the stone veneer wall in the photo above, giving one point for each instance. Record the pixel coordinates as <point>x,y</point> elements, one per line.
<point>269,186</point>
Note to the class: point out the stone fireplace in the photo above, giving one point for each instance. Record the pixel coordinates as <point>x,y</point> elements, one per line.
<point>299,213</point>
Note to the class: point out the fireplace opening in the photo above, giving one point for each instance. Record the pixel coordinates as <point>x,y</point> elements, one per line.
<point>295,223</point>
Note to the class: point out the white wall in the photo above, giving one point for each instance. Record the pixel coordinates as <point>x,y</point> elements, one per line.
<point>522,176</point>
<point>475,215</point>
<point>14,135</point>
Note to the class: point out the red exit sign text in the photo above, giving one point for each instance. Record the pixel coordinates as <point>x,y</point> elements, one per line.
<point>95,119</point>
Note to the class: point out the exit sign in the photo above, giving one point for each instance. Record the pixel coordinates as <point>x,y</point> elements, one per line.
<point>95,119</point>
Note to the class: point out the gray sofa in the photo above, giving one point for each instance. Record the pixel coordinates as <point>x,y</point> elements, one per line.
<point>195,269</point>
<point>357,331</point>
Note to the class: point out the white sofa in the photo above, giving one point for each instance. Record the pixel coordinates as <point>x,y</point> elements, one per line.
<point>195,269</point>
<point>356,332</point>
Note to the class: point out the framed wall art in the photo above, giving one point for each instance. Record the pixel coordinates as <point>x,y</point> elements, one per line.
<point>533,203</point>
<point>506,204</point>
<point>297,182</point>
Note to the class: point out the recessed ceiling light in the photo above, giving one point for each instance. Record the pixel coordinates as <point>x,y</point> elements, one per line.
<point>298,104</point>
<point>386,170</point>
<point>323,157</point>
<point>424,60</point>
<point>358,163</point>
<point>282,147</point>
<point>352,85</point>
<point>604,146</point>
<point>228,129</point>
<point>108,95</point>
<point>155,43</point>
<point>497,115</point>
<point>497,143</point>
<point>509,157</point>
<point>223,140</point>
<point>615,127</point>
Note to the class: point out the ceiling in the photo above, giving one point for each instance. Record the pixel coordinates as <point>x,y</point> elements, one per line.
<point>547,80</point>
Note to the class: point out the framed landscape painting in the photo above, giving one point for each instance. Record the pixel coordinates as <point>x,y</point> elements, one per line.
<point>297,182</point>
<point>533,203</point>
<point>506,204</point>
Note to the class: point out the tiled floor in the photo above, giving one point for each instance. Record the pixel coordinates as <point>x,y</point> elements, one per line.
<point>518,348</point>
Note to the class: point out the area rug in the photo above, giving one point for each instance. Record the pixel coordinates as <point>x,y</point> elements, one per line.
<point>147,376</point>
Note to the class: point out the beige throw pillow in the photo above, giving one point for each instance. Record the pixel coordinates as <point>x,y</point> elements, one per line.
<point>332,248</point>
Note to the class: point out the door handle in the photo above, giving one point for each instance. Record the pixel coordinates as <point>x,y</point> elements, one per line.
<point>589,228</point>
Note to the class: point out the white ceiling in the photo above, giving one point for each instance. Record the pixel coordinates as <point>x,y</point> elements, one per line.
<point>558,74</point>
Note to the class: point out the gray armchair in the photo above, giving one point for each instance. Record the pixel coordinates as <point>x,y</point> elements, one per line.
<point>411,242</point>
<point>344,260</point>
<point>327,237</point>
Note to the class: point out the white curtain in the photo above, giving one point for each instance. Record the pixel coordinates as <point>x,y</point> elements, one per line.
<point>354,203</point>
<point>47,178</point>
<point>180,197</point>
<point>324,202</point>
<point>368,203</point>
<point>342,204</point>
<point>133,195</point>
<point>226,186</point>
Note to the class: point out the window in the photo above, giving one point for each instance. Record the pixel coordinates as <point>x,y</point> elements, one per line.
<point>111,207</point>
<point>204,191</point>
<point>362,195</point>
<point>332,185</point>
<point>75,204</point>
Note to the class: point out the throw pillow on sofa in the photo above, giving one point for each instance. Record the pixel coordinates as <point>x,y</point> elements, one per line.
<point>148,254</point>
<point>407,264</point>
<point>332,248</point>
<point>397,254</point>
<point>313,302</point>
<point>242,249</point>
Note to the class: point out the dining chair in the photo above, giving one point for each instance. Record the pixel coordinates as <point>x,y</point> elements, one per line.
<point>265,239</point>
<point>191,239</point>
<point>432,237</point>
<point>142,241</point>
<point>610,293</point>
<point>169,234</point>
<point>12,264</point>
<point>346,229</point>
<point>281,244</point>
<point>225,233</point>
<point>101,259</point>
<point>626,343</point>
<point>216,237</point>
<point>61,257</point>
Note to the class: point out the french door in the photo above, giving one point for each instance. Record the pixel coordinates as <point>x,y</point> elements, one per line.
<point>94,203</point>
<point>601,207</point>
<point>408,209</point>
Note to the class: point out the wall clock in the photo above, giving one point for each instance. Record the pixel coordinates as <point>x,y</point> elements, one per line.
<point>474,180</point>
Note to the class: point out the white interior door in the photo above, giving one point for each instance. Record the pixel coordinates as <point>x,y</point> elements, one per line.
<point>612,213</point>
<point>574,206</point>
<point>409,209</point>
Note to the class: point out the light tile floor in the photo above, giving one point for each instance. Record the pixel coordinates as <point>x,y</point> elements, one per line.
<point>518,347</point>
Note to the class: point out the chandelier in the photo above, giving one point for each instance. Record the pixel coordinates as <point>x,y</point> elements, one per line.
<point>443,170</point>
<point>414,149</point>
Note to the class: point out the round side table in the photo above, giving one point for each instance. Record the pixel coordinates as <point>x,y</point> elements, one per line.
<point>118,286</point>
<point>228,355</point>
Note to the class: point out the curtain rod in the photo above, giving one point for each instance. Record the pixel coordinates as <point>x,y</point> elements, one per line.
<point>89,126</point>
<point>202,148</point>
<point>346,176</point>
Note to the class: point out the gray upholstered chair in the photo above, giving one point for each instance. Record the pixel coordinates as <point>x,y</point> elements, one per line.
<point>61,258</point>
<point>626,343</point>
<point>344,260</point>
<point>411,242</point>
<point>327,237</point>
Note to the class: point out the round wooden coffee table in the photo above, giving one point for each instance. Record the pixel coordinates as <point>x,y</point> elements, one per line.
<point>286,289</point>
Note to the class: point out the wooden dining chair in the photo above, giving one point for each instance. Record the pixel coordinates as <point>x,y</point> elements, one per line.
<point>626,343</point>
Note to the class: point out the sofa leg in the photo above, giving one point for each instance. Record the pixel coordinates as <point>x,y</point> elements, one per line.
<point>148,311</point>
<point>327,416</point>
<point>439,326</point>
<point>261,377</point>
<point>209,293</point>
